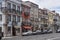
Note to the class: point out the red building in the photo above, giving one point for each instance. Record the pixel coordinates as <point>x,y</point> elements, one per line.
<point>26,24</point>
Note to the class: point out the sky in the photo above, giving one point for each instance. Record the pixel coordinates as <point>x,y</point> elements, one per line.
<point>49,4</point>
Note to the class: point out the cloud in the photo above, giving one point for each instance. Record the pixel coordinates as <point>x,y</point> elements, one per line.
<point>49,4</point>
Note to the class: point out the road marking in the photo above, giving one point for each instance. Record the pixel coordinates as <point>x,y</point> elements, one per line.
<point>53,38</point>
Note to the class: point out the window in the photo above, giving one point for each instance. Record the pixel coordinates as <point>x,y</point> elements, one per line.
<point>9,5</point>
<point>9,17</point>
<point>18,18</point>
<point>18,8</point>
<point>0,17</point>
<point>0,5</point>
<point>14,6</point>
<point>18,30</point>
<point>0,29</point>
<point>14,18</point>
<point>9,29</point>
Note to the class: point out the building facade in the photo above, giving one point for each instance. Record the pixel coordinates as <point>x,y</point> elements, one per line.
<point>33,13</point>
<point>56,22</point>
<point>10,10</point>
<point>43,19</point>
<point>26,23</point>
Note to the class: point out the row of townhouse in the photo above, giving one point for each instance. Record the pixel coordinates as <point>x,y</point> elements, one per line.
<point>48,19</point>
<point>11,14</point>
<point>41,18</point>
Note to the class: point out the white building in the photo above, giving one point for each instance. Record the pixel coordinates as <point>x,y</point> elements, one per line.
<point>10,10</point>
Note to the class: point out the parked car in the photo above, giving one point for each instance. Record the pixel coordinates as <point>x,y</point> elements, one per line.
<point>45,31</point>
<point>58,31</point>
<point>26,33</point>
<point>36,32</point>
<point>50,31</point>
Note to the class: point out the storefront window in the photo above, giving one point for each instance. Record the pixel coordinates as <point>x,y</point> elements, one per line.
<point>9,29</point>
<point>18,30</point>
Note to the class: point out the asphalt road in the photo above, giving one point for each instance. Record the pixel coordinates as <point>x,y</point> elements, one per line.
<point>52,36</point>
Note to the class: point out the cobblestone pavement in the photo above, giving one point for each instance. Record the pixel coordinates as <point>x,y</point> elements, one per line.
<point>54,36</point>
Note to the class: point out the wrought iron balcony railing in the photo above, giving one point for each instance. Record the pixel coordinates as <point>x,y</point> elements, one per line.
<point>6,10</point>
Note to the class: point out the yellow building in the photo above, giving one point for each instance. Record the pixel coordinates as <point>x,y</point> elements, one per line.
<point>50,18</point>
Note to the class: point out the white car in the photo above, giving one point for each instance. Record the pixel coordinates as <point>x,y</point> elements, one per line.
<point>58,31</point>
<point>45,31</point>
<point>27,33</point>
<point>50,31</point>
<point>36,32</point>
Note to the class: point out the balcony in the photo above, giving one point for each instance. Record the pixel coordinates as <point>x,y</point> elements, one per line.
<point>44,25</point>
<point>4,10</point>
<point>18,12</point>
<point>32,19</point>
<point>44,17</point>
<point>26,23</point>
<point>8,11</point>
<point>36,19</point>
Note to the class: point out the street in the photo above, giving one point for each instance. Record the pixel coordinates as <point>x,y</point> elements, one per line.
<point>52,36</point>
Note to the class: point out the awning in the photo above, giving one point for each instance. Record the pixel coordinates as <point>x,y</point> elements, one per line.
<point>27,27</point>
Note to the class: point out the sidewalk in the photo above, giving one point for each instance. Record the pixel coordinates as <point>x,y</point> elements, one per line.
<point>12,38</point>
